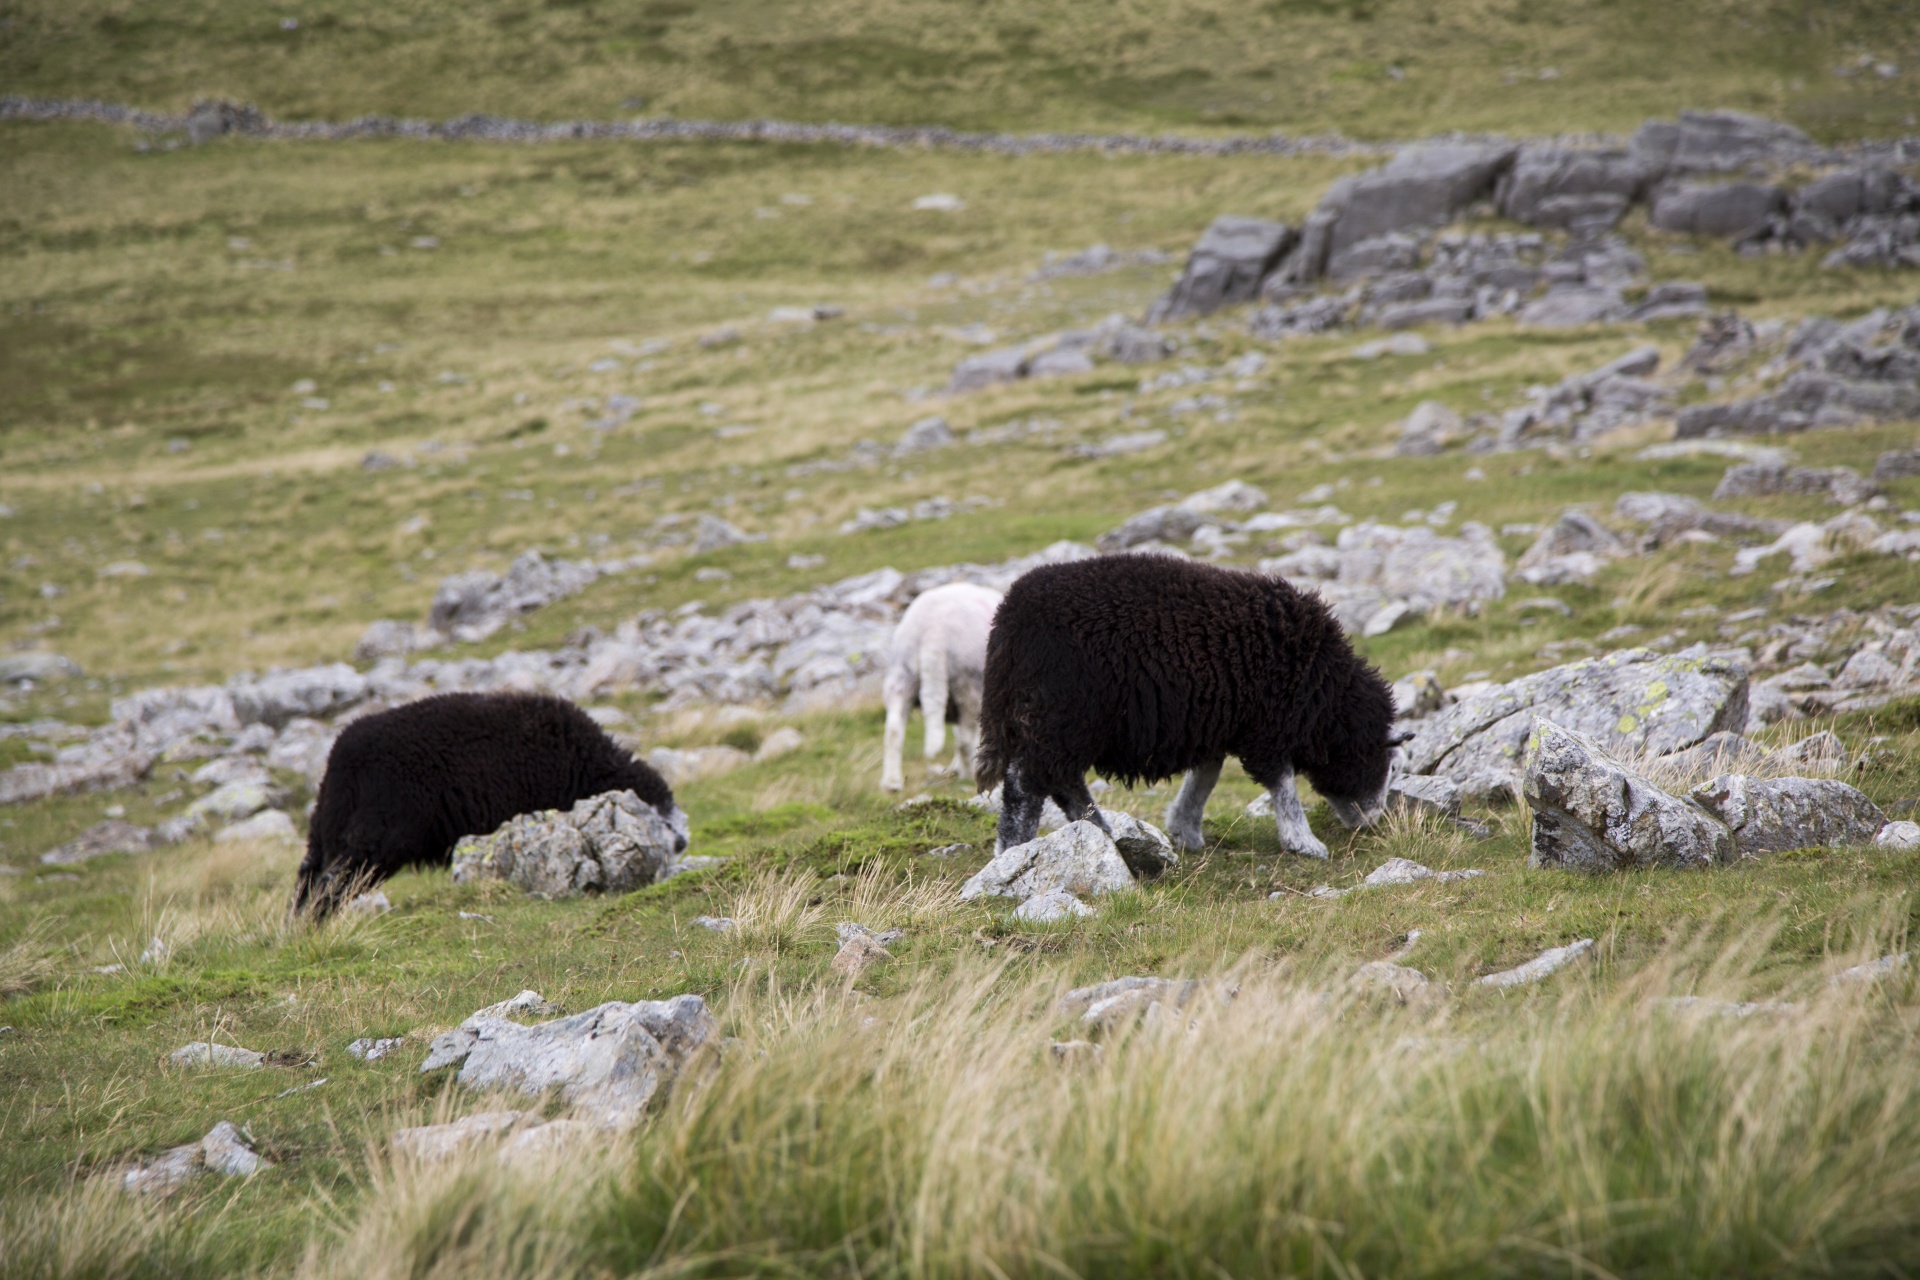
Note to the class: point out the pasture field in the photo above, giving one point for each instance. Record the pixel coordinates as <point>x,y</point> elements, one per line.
<point>199,347</point>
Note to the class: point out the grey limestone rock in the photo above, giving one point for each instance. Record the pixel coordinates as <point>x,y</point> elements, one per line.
<point>1080,858</point>
<point>1555,186</point>
<point>1714,141</point>
<point>1772,815</point>
<point>1571,549</point>
<point>115,835</point>
<point>607,1062</point>
<point>1226,266</point>
<point>1632,700</point>
<point>1730,209</point>
<point>608,843</point>
<point>429,1142</point>
<point>1842,486</point>
<point>1051,907</point>
<point>1544,965</point>
<point>926,434</point>
<point>203,1054</point>
<point>1428,184</point>
<point>1592,813</point>
<point>224,1151</point>
<point>36,666</point>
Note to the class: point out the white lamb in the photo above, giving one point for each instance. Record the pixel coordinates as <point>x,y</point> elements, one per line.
<point>939,656</point>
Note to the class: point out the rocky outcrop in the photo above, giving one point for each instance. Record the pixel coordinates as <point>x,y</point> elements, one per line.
<point>1592,813</point>
<point>1571,549</point>
<point>223,1151</point>
<point>1617,394</point>
<point>1633,700</point>
<point>472,606</point>
<point>1866,370</point>
<point>1726,209</point>
<point>609,843</point>
<point>1582,191</point>
<point>607,1063</point>
<point>1426,185</point>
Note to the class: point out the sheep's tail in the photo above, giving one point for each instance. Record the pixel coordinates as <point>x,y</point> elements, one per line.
<point>990,755</point>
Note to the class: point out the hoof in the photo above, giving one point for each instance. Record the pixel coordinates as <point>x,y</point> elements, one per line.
<point>1309,849</point>
<point>1188,841</point>
<point>892,784</point>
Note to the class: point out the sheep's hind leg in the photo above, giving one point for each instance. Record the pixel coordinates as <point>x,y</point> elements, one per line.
<point>1019,812</point>
<point>1190,805</point>
<point>1290,820</point>
<point>1076,802</point>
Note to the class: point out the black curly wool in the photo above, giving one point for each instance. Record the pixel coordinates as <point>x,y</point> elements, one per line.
<point>403,786</point>
<point>1144,666</point>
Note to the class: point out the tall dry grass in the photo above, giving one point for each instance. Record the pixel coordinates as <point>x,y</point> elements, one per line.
<point>1294,1130</point>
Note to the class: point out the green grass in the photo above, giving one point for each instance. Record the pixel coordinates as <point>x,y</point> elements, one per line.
<point>1291,1134</point>
<point>1295,65</point>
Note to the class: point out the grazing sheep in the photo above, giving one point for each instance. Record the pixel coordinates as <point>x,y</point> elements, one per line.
<point>403,786</point>
<point>1142,666</point>
<point>938,656</point>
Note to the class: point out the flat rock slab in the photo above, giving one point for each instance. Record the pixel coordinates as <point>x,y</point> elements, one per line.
<point>1592,813</point>
<point>1544,965</point>
<point>607,1062</point>
<point>1398,871</point>
<point>1773,815</point>
<point>202,1054</point>
<point>608,843</point>
<point>438,1141</point>
<point>1079,857</point>
<point>1633,700</point>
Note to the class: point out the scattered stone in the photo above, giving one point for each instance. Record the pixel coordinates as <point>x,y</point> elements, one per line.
<point>926,434</point>
<point>1371,566</point>
<point>1144,847</point>
<point>1773,815</point>
<point>1706,1007</point>
<point>607,1062</point>
<point>472,606</point>
<point>36,666</point>
<point>1729,210</point>
<point>861,947</point>
<point>202,1054</point>
<point>430,1142</point>
<point>1902,836</point>
<point>1051,907</point>
<point>1417,694</point>
<point>268,824</point>
<point>680,767</point>
<point>1545,964</point>
<point>1586,405</point>
<point>112,836</point>
<point>1397,871</point>
<point>1592,813</point>
<point>223,1150</point>
<point>1402,983</point>
<point>371,1050</point>
<point>1080,858</point>
<point>1571,549</point>
<point>374,903</point>
<point>609,843</point>
<point>1073,1052</point>
<point>1108,1004</point>
<point>782,741</point>
<point>1871,971</point>
<point>1841,486</point>
<point>1429,429</point>
<point>234,800</point>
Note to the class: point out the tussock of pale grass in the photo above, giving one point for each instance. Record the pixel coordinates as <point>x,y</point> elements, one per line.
<point>31,958</point>
<point>235,891</point>
<point>1645,594</point>
<point>90,1231</point>
<point>883,899</point>
<point>1287,1131</point>
<point>776,910</point>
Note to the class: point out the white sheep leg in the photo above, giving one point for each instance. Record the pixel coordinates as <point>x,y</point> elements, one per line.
<point>1190,805</point>
<point>933,692</point>
<point>966,740</point>
<point>1290,820</point>
<point>899,702</point>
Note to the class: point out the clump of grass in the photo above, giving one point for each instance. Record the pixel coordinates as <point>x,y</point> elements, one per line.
<point>94,1231</point>
<point>1283,1132</point>
<point>777,910</point>
<point>30,959</point>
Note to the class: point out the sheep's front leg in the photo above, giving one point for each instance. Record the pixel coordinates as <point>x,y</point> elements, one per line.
<point>1290,820</point>
<point>899,703</point>
<point>1190,805</point>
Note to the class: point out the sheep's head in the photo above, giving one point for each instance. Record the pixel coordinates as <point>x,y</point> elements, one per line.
<point>1352,752</point>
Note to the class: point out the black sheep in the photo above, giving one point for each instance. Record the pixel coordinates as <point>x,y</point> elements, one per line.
<point>1142,666</point>
<point>403,786</point>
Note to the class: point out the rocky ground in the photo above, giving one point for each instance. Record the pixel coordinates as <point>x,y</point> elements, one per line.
<point>1601,449</point>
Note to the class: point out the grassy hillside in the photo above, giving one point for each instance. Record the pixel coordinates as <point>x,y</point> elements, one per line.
<point>468,310</point>
<point>1372,68</point>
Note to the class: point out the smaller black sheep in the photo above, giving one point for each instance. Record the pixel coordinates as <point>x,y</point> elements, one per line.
<point>403,786</point>
<point>1142,666</point>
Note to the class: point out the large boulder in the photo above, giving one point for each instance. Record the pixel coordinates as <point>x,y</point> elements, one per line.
<point>1592,813</point>
<point>1571,549</point>
<point>1772,815</point>
<point>1079,857</point>
<point>609,843</point>
<point>1716,209</point>
<point>1226,266</point>
<point>278,697</point>
<point>1632,700</point>
<point>1411,570</point>
<point>607,1062</point>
